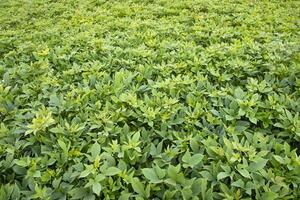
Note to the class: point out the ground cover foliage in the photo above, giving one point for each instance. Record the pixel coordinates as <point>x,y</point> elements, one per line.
<point>149,99</point>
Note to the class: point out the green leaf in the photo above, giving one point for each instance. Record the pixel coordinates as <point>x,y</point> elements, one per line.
<point>257,165</point>
<point>192,160</point>
<point>161,173</point>
<point>279,159</point>
<point>170,182</point>
<point>95,149</point>
<point>186,193</point>
<point>96,188</point>
<point>78,193</point>
<point>16,192</point>
<point>19,170</point>
<point>150,174</point>
<point>99,178</point>
<point>207,175</point>
<point>186,157</point>
<point>195,159</point>
<point>195,187</point>
<point>138,187</point>
<point>239,183</point>
<point>84,173</point>
<point>239,93</point>
<point>244,173</point>
<point>174,174</point>
<point>124,196</point>
<point>203,186</point>
<point>111,171</point>
<point>222,175</point>
<point>136,137</point>
<point>54,100</point>
<point>269,196</point>
<point>63,146</point>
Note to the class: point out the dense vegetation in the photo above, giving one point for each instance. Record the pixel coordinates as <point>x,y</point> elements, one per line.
<point>158,99</point>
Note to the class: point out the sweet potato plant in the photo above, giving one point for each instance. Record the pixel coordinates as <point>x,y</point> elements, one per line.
<point>156,99</point>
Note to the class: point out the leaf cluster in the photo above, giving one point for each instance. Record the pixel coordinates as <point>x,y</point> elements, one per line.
<point>192,99</point>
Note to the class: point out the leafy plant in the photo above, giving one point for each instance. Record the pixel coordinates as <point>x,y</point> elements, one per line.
<point>191,99</point>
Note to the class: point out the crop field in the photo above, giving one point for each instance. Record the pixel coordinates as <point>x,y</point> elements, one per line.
<point>149,99</point>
